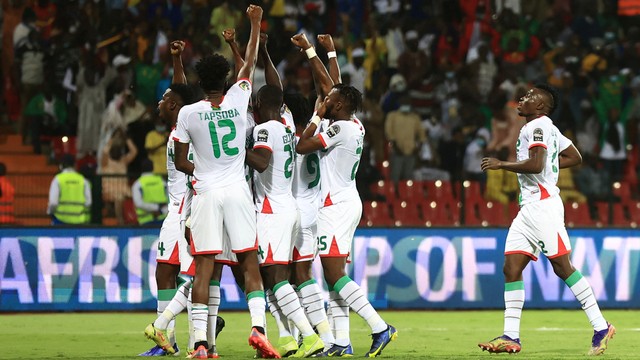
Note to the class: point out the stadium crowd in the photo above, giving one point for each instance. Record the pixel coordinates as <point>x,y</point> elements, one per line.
<point>440,78</point>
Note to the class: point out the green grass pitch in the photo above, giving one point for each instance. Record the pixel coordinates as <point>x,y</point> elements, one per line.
<point>546,334</point>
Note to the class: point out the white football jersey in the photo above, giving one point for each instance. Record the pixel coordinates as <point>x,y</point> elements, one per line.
<point>306,183</point>
<point>540,132</point>
<point>216,134</point>
<point>273,186</point>
<point>176,180</point>
<point>342,141</point>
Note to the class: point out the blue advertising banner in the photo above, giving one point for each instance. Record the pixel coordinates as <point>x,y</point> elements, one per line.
<point>66,269</point>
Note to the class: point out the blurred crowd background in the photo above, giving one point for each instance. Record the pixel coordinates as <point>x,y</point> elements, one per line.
<point>441,81</point>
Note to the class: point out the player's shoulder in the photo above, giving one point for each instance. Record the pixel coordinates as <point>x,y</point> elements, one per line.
<point>243,85</point>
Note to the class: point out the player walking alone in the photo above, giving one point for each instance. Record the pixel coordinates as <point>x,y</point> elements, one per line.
<point>539,226</point>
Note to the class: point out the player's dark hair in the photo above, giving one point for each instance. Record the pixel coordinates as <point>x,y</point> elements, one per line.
<point>185,92</point>
<point>271,96</point>
<point>212,71</point>
<point>552,93</point>
<point>351,96</point>
<point>300,108</point>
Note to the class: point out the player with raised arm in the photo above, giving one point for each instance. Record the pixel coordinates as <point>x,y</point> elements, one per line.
<point>172,257</point>
<point>342,207</point>
<point>222,200</point>
<point>273,157</point>
<point>539,227</point>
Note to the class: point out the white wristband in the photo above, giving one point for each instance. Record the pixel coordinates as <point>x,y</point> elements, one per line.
<point>311,53</point>
<point>316,120</point>
<point>332,54</point>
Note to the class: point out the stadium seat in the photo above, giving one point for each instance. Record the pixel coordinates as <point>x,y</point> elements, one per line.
<point>622,190</point>
<point>440,190</point>
<point>619,216</point>
<point>436,213</point>
<point>576,214</point>
<point>376,213</point>
<point>603,212</point>
<point>129,212</point>
<point>62,145</point>
<point>472,192</point>
<point>384,188</point>
<point>406,213</point>
<point>411,190</point>
<point>492,214</point>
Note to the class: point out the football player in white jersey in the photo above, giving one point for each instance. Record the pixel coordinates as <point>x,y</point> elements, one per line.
<point>342,207</point>
<point>539,227</point>
<point>172,257</point>
<point>273,157</point>
<point>215,127</point>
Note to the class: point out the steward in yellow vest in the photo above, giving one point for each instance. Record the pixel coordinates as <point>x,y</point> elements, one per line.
<point>150,196</point>
<point>69,195</point>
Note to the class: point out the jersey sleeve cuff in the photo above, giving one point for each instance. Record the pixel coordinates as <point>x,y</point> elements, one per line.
<point>324,143</point>
<point>262,147</point>
<point>537,144</point>
<point>180,141</point>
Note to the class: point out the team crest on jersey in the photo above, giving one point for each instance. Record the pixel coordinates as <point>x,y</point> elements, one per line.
<point>537,134</point>
<point>263,135</point>
<point>244,85</point>
<point>333,130</point>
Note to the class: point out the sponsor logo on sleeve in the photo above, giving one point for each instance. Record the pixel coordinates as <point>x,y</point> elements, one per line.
<point>333,130</point>
<point>263,135</point>
<point>244,85</point>
<point>537,134</point>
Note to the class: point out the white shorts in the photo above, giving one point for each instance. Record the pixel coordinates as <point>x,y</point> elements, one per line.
<point>212,212</point>
<point>227,256</point>
<point>187,265</point>
<point>168,248</point>
<point>276,233</point>
<point>539,227</point>
<point>336,226</point>
<point>305,246</point>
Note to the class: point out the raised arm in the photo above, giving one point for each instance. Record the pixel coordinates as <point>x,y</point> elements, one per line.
<point>320,74</point>
<point>334,68</point>
<point>254,13</point>
<point>309,143</point>
<point>177,47</point>
<point>270,72</point>
<point>229,36</point>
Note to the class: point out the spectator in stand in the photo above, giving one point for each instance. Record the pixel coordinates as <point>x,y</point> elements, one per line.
<point>483,71</point>
<point>47,115</point>
<point>69,195</point>
<point>452,154</point>
<point>473,155</point>
<point>7,192</point>
<point>150,196</point>
<point>502,185</point>
<point>45,16</point>
<point>397,89</point>
<point>147,75</point>
<point>29,69</point>
<point>139,122</point>
<point>116,156</point>
<point>393,39</point>
<point>404,131</point>
<point>373,120</point>
<point>415,67</point>
<point>505,127</point>
<point>355,69</point>
<point>593,182</point>
<point>568,191</point>
<point>91,85</point>
<point>156,146</point>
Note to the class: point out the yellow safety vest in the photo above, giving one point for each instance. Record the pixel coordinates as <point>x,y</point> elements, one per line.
<point>71,207</point>
<point>153,192</point>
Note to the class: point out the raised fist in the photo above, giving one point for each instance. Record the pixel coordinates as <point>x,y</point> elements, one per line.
<point>301,41</point>
<point>177,47</point>
<point>229,35</point>
<point>327,42</point>
<point>254,12</point>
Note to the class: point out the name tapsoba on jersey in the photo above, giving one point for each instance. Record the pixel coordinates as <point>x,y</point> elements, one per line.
<point>217,134</point>
<point>273,186</point>
<point>540,132</point>
<point>339,161</point>
<point>176,180</point>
